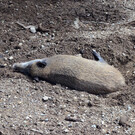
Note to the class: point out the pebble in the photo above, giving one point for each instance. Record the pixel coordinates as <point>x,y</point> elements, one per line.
<point>89,104</point>
<point>66,130</point>
<point>123,121</point>
<point>6,51</point>
<point>20,44</point>
<point>32,29</point>
<point>129,108</point>
<point>60,124</point>
<point>93,126</point>
<point>27,117</point>
<point>104,131</point>
<point>43,35</point>
<point>42,46</point>
<point>45,98</point>
<point>46,120</point>
<point>5,58</point>
<point>46,34</point>
<point>11,58</point>
<point>72,118</point>
<point>2,65</point>
<point>70,125</point>
<point>123,54</point>
<point>76,23</point>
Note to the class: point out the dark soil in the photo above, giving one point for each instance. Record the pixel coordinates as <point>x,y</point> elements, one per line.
<point>66,27</point>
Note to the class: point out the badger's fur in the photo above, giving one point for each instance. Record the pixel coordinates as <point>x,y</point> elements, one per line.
<point>75,72</point>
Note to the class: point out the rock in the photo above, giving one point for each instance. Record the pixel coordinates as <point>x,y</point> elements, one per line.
<point>17,47</point>
<point>89,104</point>
<point>76,23</point>
<point>5,58</point>
<point>123,54</point>
<point>66,130</point>
<point>32,29</point>
<point>2,65</point>
<point>20,44</point>
<point>93,126</point>
<point>123,121</point>
<point>73,118</point>
<point>6,51</point>
<point>46,120</point>
<point>1,133</point>
<point>129,108</point>
<point>60,124</point>
<point>42,46</point>
<point>45,98</point>
<point>70,125</point>
<point>11,58</point>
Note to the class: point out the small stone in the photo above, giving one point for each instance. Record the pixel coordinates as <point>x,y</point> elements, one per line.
<point>19,102</point>
<point>45,98</point>
<point>123,54</point>
<point>27,117</point>
<point>20,44</point>
<point>104,131</point>
<point>73,118</point>
<point>66,130</point>
<point>2,65</point>
<point>46,120</point>
<point>110,41</point>
<point>93,126</point>
<point>32,29</point>
<point>42,46</point>
<point>129,107</point>
<point>6,51</point>
<point>1,133</point>
<point>5,58</point>
<point>70,125</point>
<point>60,124</point>
<point>43,35</point>
<point>123,121</point>
<point>17,47</point>
<point>11,58</point>
<point>46,34</point>
<point>89,104</point>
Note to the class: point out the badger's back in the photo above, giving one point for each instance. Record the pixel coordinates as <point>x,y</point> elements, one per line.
<point>83,74</point>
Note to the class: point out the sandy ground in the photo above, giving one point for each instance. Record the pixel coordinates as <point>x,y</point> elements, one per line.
<point>66,27</point>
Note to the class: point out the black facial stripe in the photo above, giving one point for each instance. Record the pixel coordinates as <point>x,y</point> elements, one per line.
<point>41,64</point>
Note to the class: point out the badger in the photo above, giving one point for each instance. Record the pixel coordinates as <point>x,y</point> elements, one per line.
<point>95,77</point>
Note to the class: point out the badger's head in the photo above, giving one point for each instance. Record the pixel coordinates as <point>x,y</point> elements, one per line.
<point>34,68</point>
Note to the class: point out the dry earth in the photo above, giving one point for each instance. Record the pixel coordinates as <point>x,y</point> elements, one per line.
<point>66,27</point>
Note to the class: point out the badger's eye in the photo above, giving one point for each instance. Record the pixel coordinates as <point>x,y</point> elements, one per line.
<point>41,64</point>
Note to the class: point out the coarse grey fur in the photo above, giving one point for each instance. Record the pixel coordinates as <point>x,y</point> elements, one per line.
<point>96,77</point>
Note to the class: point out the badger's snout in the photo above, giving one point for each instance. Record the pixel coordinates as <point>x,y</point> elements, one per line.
<point>16,67</point>
<point>21,67</point>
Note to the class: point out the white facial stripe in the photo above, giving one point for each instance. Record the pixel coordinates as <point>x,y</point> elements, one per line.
<point>25,64</point>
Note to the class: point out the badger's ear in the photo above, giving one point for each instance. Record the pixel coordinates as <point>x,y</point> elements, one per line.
<point>41,64</point>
